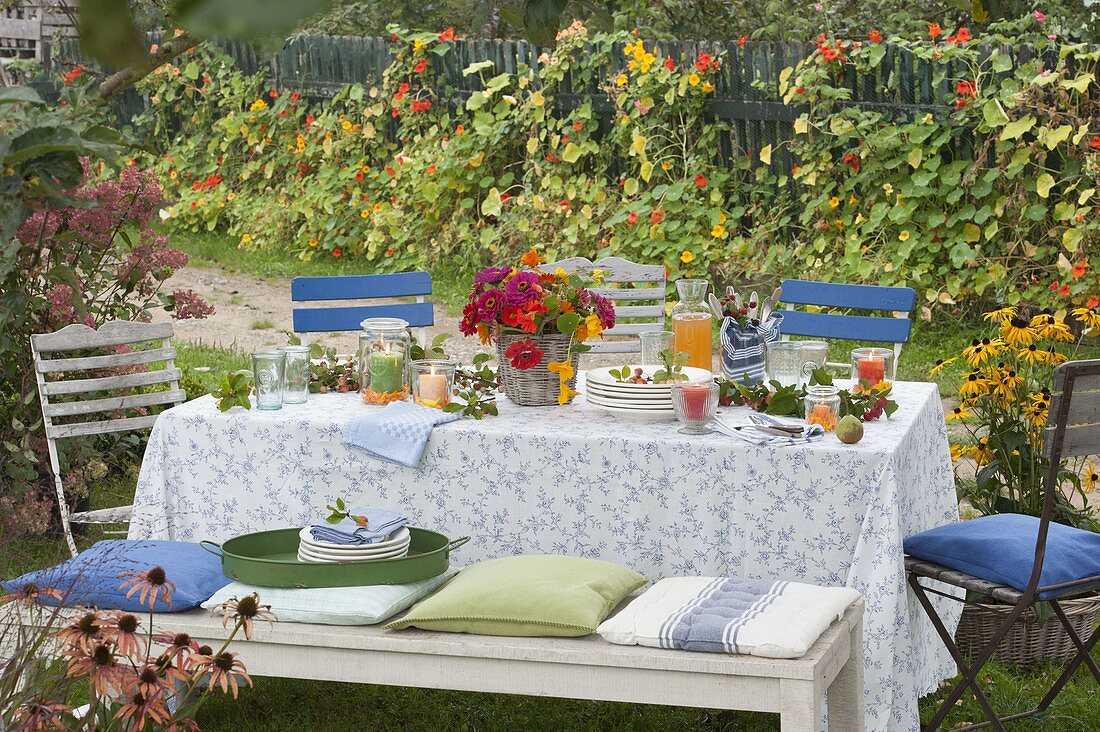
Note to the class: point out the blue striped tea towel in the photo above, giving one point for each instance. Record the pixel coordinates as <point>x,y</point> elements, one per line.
<point>722,615</point>
<point>399,433</point>
<point>381,523</point>
<point>810,433</point>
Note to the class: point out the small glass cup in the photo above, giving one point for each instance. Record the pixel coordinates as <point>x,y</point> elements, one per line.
<point>823,406</point>
<point>815,355</point>
<point>872,367</point>
<point>267,369</point>
<point>785,360</point>
<point>295,374</point>
<point>653,342</point>
<point>433,382</point>
<point>695,406</point>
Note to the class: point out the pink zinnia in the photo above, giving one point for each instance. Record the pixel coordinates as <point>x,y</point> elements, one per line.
<point>489,305</point>
<point>523,288</point>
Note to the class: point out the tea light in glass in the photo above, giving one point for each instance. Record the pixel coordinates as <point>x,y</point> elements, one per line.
<point>432,382</point>
<point>823,406</point>
<point>695,405</point>
<point>870,367</point>
<point>383,355</point>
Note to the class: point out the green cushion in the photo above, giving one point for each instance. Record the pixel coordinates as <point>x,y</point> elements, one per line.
<point>525,596</point>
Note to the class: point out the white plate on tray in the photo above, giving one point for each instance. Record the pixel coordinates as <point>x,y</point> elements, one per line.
<point>646,405</point>
<point>305,553</point>
<point>602,378</point>
<point>401,537</point>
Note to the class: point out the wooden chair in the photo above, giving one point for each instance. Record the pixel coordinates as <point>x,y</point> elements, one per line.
<point>419,314</point>
<point>67,391</point>
<point>1073,430</point>
<point>641,290</point>
<point>898,300</point>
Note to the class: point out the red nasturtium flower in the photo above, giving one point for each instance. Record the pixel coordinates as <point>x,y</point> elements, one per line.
<point>632,218</point>
<point>71,76</point>
<point>700,181</point>
<point>1079,269</point>
<point>524,354</point>
<point>1094,143</point>
<point>874,36</point>
<point>577,125</point>
<point>447,35</point>
<point>934,31</point>
<point>1092,302</point>
<point>669,63</point>
<point>703,62</point>
<point>656,216</point>
<point>851,160</point>
<point>390,252</point>
<point>421,65</point>
<point>1064,291</point>
<point>336,252</point>
<point>741,41</point>
<point>960,36</point>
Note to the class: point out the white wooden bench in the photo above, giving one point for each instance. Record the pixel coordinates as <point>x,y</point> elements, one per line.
<point>573,668</point>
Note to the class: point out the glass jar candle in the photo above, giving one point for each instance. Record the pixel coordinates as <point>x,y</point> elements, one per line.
<point>383,360</point>
<point>695,405</point>
<point>823,406</point>
<point>691,323</point>
<point>432,381</point>
<point>871,367</point>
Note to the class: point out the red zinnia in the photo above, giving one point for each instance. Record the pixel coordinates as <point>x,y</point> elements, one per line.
<point>524,354</point>
<point>700,181</point>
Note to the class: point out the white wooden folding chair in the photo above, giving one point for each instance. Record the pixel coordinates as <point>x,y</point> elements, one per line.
<point>68,392</point>
<point>638,295</point>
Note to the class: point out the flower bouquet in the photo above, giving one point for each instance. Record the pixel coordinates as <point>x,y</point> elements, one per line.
<point>538,322</point>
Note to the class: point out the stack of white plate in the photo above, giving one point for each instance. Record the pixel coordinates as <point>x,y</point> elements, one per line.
<point>641,402</point>
<point>393,546</point>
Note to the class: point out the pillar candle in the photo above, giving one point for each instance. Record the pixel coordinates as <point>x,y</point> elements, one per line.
<point>871,370</point>
<point>385,371</point>
<point>433,388</point>
<point>695,401</point>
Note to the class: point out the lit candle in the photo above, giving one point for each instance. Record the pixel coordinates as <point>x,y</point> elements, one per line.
<point>433,389</point>
<point>695,398</point>
<point>385,371</point>
<point>871,370</point>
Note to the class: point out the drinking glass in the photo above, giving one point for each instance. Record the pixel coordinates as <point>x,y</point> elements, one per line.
<point>815,354</point>
<point>695,406</point>
<point>268,368</point>
<point>653,342</point>
<point>785,362</point>
<point>295,374</point>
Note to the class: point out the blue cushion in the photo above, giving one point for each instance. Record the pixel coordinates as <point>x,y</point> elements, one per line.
<point>92,578</point>
<point>1001,548</point>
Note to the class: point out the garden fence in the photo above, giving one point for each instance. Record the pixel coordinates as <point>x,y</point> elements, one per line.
<point>746,93</point>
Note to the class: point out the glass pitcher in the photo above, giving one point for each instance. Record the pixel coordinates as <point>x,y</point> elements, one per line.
<point>691,323</point>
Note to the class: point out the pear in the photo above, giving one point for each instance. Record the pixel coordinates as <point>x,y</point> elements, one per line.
<point>849,429</point>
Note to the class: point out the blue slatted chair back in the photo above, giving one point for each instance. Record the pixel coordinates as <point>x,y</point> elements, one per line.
<point>894,328</point>
<point>419,314</point>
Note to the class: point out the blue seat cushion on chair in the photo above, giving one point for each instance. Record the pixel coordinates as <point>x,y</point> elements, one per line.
<point>1001,548</point>
<point>94,577</point>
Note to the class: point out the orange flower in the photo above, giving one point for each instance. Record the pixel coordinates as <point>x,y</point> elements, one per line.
<point>1094,143</point>
<point>531,258</point>
<point>875,36</point>
<point>934,31</point>
<point>962,35</point>
<point>632,218</point>
<point>1079,269</point>
<point>656,216</point>
<point>741,41</point>
<point>1092,302</point>
<point>420,66</point>
<point>700,181</point>
<point>483,333</point>
<point>447,35</point>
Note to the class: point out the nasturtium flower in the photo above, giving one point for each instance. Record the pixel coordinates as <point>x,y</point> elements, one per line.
<point>834,202</point>
<point>245,238</point>
<point>258,106</point>
<point>524,354</point>
<point>707,87</point>
<point>694,79</point>
<point>718,231</point>
<point>904,235</point>
<point>620,80</point>
<point>687,257</point>
<point>564,370</point>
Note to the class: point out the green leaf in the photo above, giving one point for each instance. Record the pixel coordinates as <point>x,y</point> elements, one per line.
<point>972,232</point>
<point>646,171</point>
<point>492,203</point>
<point>1016,130</point>
<point>915,156</point>
<point>20,95</point>
<point>572,153</point>
<point>630,186</point>
<point>476,67</point>
<point>1043,184</point>
<point>568,323</point>
<point>108,33</point>
<point>994,113</point>
<point>1054,137</point>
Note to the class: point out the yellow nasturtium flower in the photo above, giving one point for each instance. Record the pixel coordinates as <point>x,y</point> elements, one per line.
<point>620,80</point>
<point>258,106</point>
<point>694,79</point>
<point>687,257</point>
<point>246,238</point>
<point>718,231</point>
<point>904,235</point>
<point>834,202</point>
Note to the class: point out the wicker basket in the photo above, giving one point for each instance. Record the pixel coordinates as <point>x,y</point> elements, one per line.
<point>538,385</point>
<point>1027,643</point>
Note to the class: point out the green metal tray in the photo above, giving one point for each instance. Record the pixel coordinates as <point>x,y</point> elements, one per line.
<point>270,559</point>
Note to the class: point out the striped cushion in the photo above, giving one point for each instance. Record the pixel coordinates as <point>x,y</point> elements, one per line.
<point>768,618</point>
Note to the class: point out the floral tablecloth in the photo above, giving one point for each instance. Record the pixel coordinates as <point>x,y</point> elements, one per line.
<point>573,480</point>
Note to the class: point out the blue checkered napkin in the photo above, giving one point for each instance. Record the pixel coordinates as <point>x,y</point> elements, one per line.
<point>399,433</point>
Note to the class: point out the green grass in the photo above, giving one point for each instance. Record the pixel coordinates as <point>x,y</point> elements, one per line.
<point>262,324</point>
<point>214,249</point>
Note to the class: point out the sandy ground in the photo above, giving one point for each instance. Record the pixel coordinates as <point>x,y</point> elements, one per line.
<point>252,313</point>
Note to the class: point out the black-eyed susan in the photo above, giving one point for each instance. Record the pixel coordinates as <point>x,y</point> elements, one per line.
<point>974,385</point>
<point>1001,314</point>
<point>1040,398</point>
<point>959,412</point>
<point>1008,382</point>
<point>1090,477</point>
<point>1035,414</point>
<point>940,363</point>
<point>1032,354</point>
<point>1087,317</point>
<point>1049,327</point>
<point>1017,332</point>
<point>980,351</point>
<point>958,452</point>
<point>1053,358</point>
<point>981,453</point>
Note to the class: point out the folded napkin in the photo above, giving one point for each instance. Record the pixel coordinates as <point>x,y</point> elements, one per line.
<point>399,433</point>
<point>810,433</point>
<point>768,618</point>
<point>381,523</point>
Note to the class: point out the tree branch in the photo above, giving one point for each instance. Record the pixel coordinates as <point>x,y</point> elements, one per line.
<point>120,81</point>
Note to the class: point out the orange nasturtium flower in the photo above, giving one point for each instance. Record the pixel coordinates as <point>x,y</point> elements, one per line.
<point>531,258</point>
<point>934,31</point>
<point>564,370</point>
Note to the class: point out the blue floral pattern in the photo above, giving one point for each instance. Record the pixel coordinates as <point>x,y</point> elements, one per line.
<point>573,480</point>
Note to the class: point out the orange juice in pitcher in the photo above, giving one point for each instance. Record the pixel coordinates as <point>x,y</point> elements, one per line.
<point>691,323</point>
